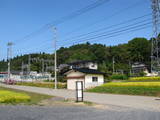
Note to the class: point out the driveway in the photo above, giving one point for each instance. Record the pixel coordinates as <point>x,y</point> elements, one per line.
<point>137,102</point>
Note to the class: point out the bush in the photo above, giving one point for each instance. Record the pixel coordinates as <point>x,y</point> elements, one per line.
<point>43,84</point>
<point>142,74</point>
<point>118,77</point>
<point>13,97</point>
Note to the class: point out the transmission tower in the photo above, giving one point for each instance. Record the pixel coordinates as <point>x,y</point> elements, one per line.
<point>155,50</point>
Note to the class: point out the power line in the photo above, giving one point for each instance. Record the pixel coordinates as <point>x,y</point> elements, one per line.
<point>111,26</point>
<point>114,14</point>
<point>114,31</point>
<point>65,18</point>
<point>113,34</point>
<point>128,27</point>
<point>79,12</point>
<point>108,27</point>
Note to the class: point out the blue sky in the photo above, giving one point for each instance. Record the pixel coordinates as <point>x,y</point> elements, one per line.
<point>19,18</point>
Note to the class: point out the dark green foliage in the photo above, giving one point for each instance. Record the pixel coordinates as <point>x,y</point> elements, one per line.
<point>136,50</point>
<point>3,65</point>
<point>118,77</point>
<point>139,50</point>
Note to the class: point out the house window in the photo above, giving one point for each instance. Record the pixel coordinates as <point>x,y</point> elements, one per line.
<point>94,79</point>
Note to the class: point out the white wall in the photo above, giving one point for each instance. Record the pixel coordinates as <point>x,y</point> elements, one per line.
<point>71,83</point>
<point>75,74</point>
<point>89,83</point>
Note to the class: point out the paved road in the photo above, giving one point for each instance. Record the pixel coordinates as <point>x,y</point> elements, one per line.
<point>138,102</point>
<point>72,113</point>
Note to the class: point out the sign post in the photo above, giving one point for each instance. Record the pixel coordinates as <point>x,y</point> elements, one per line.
<point>79,91</point>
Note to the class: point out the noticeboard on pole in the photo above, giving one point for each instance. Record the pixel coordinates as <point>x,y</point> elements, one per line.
<point>79,91</point>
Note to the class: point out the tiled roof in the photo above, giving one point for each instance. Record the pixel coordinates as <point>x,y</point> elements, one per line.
<point>80,61</point>
<point>88,71</point>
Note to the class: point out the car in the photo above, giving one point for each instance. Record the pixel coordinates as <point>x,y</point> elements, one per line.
<point>10,81</point>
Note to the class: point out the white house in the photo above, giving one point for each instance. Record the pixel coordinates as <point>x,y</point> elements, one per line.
<point>87,73</point>
<point>138,67</point>
<point>84,64</point>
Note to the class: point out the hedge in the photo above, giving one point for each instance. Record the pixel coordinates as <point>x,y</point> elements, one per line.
<point>118,77</point>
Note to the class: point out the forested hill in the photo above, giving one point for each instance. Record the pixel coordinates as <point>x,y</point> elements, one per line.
<point>136,50</point>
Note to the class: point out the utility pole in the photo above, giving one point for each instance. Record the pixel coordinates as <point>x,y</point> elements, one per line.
<point>29,64</point>
<point>46,67</point>
<point>22,68</point>
<point>9,56</point>
<point>43,66</point>
<point>113,65</point>
<point>130,71</point>
<point>55,56</point>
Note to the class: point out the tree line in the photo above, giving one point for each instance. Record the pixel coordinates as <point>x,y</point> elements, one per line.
<point>136,50</point>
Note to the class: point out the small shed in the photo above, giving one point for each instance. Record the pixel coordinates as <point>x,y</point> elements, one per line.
<point>89,77</point>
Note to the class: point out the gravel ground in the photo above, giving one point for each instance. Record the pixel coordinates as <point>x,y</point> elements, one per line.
<point>74,113</point>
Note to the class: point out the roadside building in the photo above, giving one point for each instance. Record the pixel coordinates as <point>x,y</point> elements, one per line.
<point>85,71</point>
<point>138,67</point>
<point>3,75</point>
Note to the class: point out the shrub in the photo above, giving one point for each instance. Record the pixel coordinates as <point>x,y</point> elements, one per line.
<point>13,97</point>
<point>118,77</point>
<point>142,74</point>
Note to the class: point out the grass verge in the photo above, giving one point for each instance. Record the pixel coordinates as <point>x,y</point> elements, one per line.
<point>144,79</point>
<point>129,88</point>
<point>13,97</point>
<point>34,97</point>
<point>43,84</point>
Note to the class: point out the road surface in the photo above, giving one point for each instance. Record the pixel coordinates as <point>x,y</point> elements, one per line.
<point>137,102</point>
<point>73,113</point>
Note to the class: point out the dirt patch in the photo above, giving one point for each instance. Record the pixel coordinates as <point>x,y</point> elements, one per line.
<point>59,101</point>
